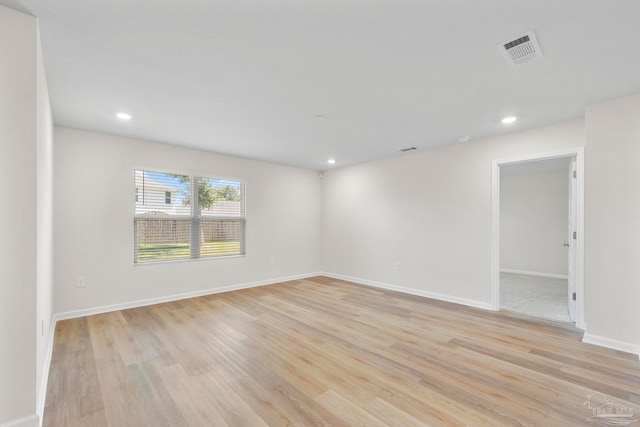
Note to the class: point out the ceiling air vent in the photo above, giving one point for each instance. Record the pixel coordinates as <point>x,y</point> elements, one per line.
<point>404,150</point>
<point>521,50</point>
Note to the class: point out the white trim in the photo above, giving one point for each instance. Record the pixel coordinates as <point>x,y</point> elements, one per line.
<point>33,421</point>
<point>569,152</point>
<point>175,297</point>
<point>534,273</point>
<point>495,235</point>
<point>587,338</point>
<point>123,306</point>
<point>578,153</point>
<point>42,394</point>
<point>580,315</point>
<point>411,291</point>
<point>611,343</point>
<point>30,421</point>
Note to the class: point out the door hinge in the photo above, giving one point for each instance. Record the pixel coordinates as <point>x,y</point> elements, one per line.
<point>574,296</point>
<point>575,174</point>
<point>575,235</point>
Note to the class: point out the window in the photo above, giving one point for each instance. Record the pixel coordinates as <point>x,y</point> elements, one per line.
<point>182,217</point>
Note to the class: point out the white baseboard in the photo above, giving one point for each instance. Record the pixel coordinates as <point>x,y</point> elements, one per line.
<point>587,338</point>
<point>175,297</point>
<point>33,421</point>
<point>611,343</point>
<point>30,421</point>
<point>534,273</point>
<point>36,420</point>
<point>42,393</point>
<point>411,291</point>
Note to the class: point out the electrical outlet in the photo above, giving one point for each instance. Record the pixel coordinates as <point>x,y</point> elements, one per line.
<point>379,263</point>
<point>397,266</point>
<point>272,261</point>
<point>80,282</point>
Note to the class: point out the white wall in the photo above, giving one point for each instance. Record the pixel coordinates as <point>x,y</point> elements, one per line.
<point>534,213</point>
<point>612,210</point>
<point>94,197</point>
<point>18,96</point>
<point>429,210</point>
<point>44,230</point>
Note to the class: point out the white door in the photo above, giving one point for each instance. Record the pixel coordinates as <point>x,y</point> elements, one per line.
<point>572,247</point>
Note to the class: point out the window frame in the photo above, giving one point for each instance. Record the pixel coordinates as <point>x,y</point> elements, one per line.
<point>195,217</point>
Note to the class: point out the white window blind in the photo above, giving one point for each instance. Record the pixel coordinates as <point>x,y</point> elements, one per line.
<point>181,217</point>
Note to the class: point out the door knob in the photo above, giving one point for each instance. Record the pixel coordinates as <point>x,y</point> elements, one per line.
<point>565,244</point>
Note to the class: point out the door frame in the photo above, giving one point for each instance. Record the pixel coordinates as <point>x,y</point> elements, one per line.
<point>572,250</point>
<point>578,153</point>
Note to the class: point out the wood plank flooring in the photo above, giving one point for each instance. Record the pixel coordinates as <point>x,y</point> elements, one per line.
<point>324,352</point>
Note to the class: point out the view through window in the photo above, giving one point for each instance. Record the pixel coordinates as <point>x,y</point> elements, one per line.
<point>182,217</point>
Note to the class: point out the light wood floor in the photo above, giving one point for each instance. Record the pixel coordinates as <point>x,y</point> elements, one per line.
<point>323,352</point>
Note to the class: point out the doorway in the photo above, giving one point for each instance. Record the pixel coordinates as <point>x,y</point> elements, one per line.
<point>537,236</point>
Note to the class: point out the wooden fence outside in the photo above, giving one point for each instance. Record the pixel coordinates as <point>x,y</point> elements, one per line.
<point>176,231</point>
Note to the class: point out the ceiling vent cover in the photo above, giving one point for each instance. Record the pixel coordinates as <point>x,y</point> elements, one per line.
<point>521,50</point>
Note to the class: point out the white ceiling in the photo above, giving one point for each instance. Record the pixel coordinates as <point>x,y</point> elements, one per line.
<point>247,77</point>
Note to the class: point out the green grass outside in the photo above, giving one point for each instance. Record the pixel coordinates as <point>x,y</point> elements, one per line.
<point>169,251</point>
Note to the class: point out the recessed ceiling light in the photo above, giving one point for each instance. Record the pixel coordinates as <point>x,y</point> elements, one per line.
<point>320,117</point>
<point>123,116</point>
<point>331,161</point>
<point>509,119</point>
<point>464,138</point>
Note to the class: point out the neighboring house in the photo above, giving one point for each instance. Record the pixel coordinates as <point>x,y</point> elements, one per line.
<point>224,208</point>
<point>160,195</point>
<point>154,197</point>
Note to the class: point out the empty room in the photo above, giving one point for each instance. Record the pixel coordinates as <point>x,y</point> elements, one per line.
<point>335,213</point>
